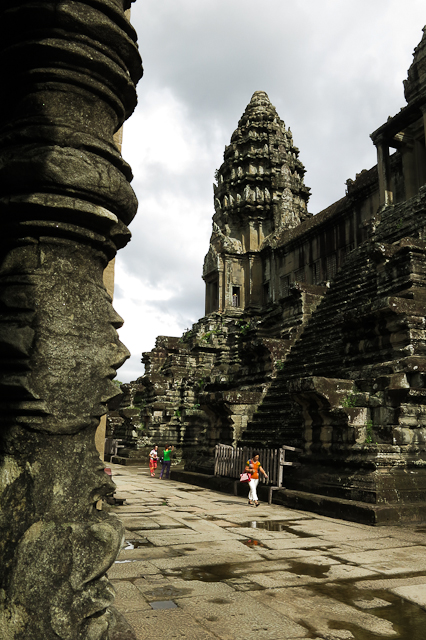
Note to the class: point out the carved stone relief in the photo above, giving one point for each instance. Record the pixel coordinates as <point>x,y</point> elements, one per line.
<point>69,70</point>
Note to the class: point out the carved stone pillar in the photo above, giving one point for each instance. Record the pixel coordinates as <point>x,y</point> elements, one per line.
<point>383,166</point>
<point>69,70</point>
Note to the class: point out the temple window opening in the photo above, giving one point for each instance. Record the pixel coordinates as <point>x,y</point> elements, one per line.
<point>316,272</point>
<point>331,266</point>
<point>299,275</point>
<point>236,297</point>
<point>284,285</point>
<point>266,292</point>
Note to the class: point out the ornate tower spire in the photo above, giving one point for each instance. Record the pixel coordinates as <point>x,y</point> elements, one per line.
<point>261,176</point>
<point>259,192</point>
<point>415,84</point>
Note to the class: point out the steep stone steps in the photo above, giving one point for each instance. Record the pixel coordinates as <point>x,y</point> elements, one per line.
<point>349,314</point>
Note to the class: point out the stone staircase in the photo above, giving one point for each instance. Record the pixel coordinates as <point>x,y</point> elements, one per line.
<point>352,391</point>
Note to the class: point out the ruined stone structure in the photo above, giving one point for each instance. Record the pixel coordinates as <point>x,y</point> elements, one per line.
<point>69,71</point>
<point>314,334</point>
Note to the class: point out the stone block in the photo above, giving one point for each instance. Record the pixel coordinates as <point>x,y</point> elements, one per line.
<point>414,593</point>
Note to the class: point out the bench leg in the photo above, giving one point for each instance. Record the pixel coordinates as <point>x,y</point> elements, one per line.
<point>270,496</point>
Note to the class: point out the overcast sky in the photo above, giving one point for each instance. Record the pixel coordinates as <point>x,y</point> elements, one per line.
<point>332,68</point>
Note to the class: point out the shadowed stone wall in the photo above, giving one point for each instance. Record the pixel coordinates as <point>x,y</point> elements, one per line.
<point>69,71</point>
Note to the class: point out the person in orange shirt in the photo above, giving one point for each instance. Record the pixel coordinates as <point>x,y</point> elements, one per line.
<point>253,467</point>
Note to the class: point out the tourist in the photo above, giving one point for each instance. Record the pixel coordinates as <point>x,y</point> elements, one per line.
<point>253,467</point>
<point>153,459</point>
<point>166,461</point>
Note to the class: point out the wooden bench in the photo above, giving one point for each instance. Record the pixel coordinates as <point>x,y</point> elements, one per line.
<point>230,462</point>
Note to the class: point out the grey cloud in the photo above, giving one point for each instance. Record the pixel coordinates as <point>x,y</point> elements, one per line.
<point>132,370</point>
<point>187,306</point>
<point>214,55</point>
<point>158,259</point>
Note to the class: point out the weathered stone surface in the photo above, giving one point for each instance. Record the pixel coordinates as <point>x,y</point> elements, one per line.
<point>69,71</point>
<point>310,589</point>
<point>413,593</point>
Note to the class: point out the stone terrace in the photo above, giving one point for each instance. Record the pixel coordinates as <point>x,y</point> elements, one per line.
<point>199,565</point>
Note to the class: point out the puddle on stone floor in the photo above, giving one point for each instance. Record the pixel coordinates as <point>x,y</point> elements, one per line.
<point>163,604</point>
<point>254,544</point>
<point>308,569</point>
<point>276,525</point>
<point>136,544</point>
<point>191,489</point>
<point>226,573</point>
<point>220,601</point>
<point>219,572</point>
<point>220,519</point>
<point>408,619</point>
<point>207,573</point>
<point>168,591</point>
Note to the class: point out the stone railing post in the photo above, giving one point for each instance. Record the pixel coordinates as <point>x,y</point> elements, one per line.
<point>69,71</point>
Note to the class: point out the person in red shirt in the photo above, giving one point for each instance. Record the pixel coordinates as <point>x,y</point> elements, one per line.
<point>153,459</point>
<point>253,467</point>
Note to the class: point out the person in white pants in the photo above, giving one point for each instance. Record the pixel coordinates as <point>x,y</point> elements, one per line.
<point>253,467</point>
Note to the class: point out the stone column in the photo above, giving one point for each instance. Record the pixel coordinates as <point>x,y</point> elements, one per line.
<point>255,280</point>
<point>221,287</point>
<point>383,165</point>
<point>409,169</point>
<point>69,71</point>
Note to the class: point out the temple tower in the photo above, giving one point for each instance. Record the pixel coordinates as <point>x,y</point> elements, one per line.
<point>405,133</point>
<point>259,193</point>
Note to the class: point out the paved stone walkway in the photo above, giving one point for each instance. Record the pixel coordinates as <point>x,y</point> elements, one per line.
<point>202,565</point>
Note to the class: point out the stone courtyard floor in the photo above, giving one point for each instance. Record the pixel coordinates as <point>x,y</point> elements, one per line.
<point>203,565</point>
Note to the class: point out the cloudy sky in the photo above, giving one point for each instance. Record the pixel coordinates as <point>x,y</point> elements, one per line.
<point>332,68</point>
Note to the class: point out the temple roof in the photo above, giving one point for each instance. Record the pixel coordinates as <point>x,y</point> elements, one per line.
<point>415,94</point>
<point>259,110</point>
<point>416,79</point>
<point>261,175</point>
